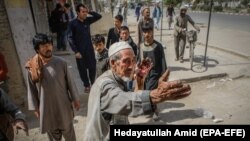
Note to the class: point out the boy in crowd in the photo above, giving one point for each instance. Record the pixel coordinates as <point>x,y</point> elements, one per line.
<point>114,32</point>
<point>101,54</point>
<point>153,50</point>
<point>125,36</point>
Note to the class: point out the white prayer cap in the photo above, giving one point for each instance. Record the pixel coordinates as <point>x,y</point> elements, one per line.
<point>116,47</point>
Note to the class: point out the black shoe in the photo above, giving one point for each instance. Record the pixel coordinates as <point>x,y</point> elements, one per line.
<point>181,60</point>
<point>176,59</point>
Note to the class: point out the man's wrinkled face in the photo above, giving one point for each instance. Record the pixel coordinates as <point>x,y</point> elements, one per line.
<point>83,13</point>
<point>125,67</point>
<point>124,35</point>
<point>45,50</point>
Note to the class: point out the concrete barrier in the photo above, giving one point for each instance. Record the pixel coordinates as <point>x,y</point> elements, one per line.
<point>22,28</point>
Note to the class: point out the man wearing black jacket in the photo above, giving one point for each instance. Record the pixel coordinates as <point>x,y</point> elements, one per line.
<point>80,41</point>
<point>114,32</point>
<point>125,36</point>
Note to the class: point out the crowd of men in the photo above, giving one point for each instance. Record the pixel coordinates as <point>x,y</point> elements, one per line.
<point>123,77</point>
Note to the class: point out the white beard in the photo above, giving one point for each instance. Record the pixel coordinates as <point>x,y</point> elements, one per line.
<point>129,83</point>
<point>126,79</point>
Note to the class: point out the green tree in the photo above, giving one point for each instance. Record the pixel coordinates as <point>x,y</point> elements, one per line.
<point>149,1</point>
<point>245,2</point>
<point>174,2</point>
<point>188,1</point>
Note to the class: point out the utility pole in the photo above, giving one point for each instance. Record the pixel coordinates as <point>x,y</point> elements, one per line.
<point>161,18</point>
<point>209,19</point>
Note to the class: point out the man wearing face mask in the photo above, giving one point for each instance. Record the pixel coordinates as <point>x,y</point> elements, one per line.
<point>110,102</point>
<point>180,28</point>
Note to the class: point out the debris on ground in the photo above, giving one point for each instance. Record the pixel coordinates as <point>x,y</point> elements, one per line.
<point>204,113</point>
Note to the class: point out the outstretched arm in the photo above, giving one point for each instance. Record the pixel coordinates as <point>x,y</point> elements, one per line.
<point>171,90</point>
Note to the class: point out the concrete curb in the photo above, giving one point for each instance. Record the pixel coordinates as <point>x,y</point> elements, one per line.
<point>226,50</point>
<point>205,77</point>
<point>227,13</point>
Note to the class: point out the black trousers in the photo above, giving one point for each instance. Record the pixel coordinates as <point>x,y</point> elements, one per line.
<point>87,70</point>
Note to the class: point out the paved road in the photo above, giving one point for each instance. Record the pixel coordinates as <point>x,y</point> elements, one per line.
<point>220,20</point>
<point>229,32</point>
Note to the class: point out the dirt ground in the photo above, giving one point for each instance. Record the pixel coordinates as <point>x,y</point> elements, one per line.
<point>226,99</point>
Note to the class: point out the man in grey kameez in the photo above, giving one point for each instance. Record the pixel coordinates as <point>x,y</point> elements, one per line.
<point>51,91</point>
<point>180,28</point>
<point>110,102</point>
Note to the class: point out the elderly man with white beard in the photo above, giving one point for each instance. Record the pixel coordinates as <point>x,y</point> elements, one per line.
<point>110,102</point>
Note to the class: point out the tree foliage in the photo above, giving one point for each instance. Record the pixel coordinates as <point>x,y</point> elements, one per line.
<point>245,2</point>
<point>174,2</point>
